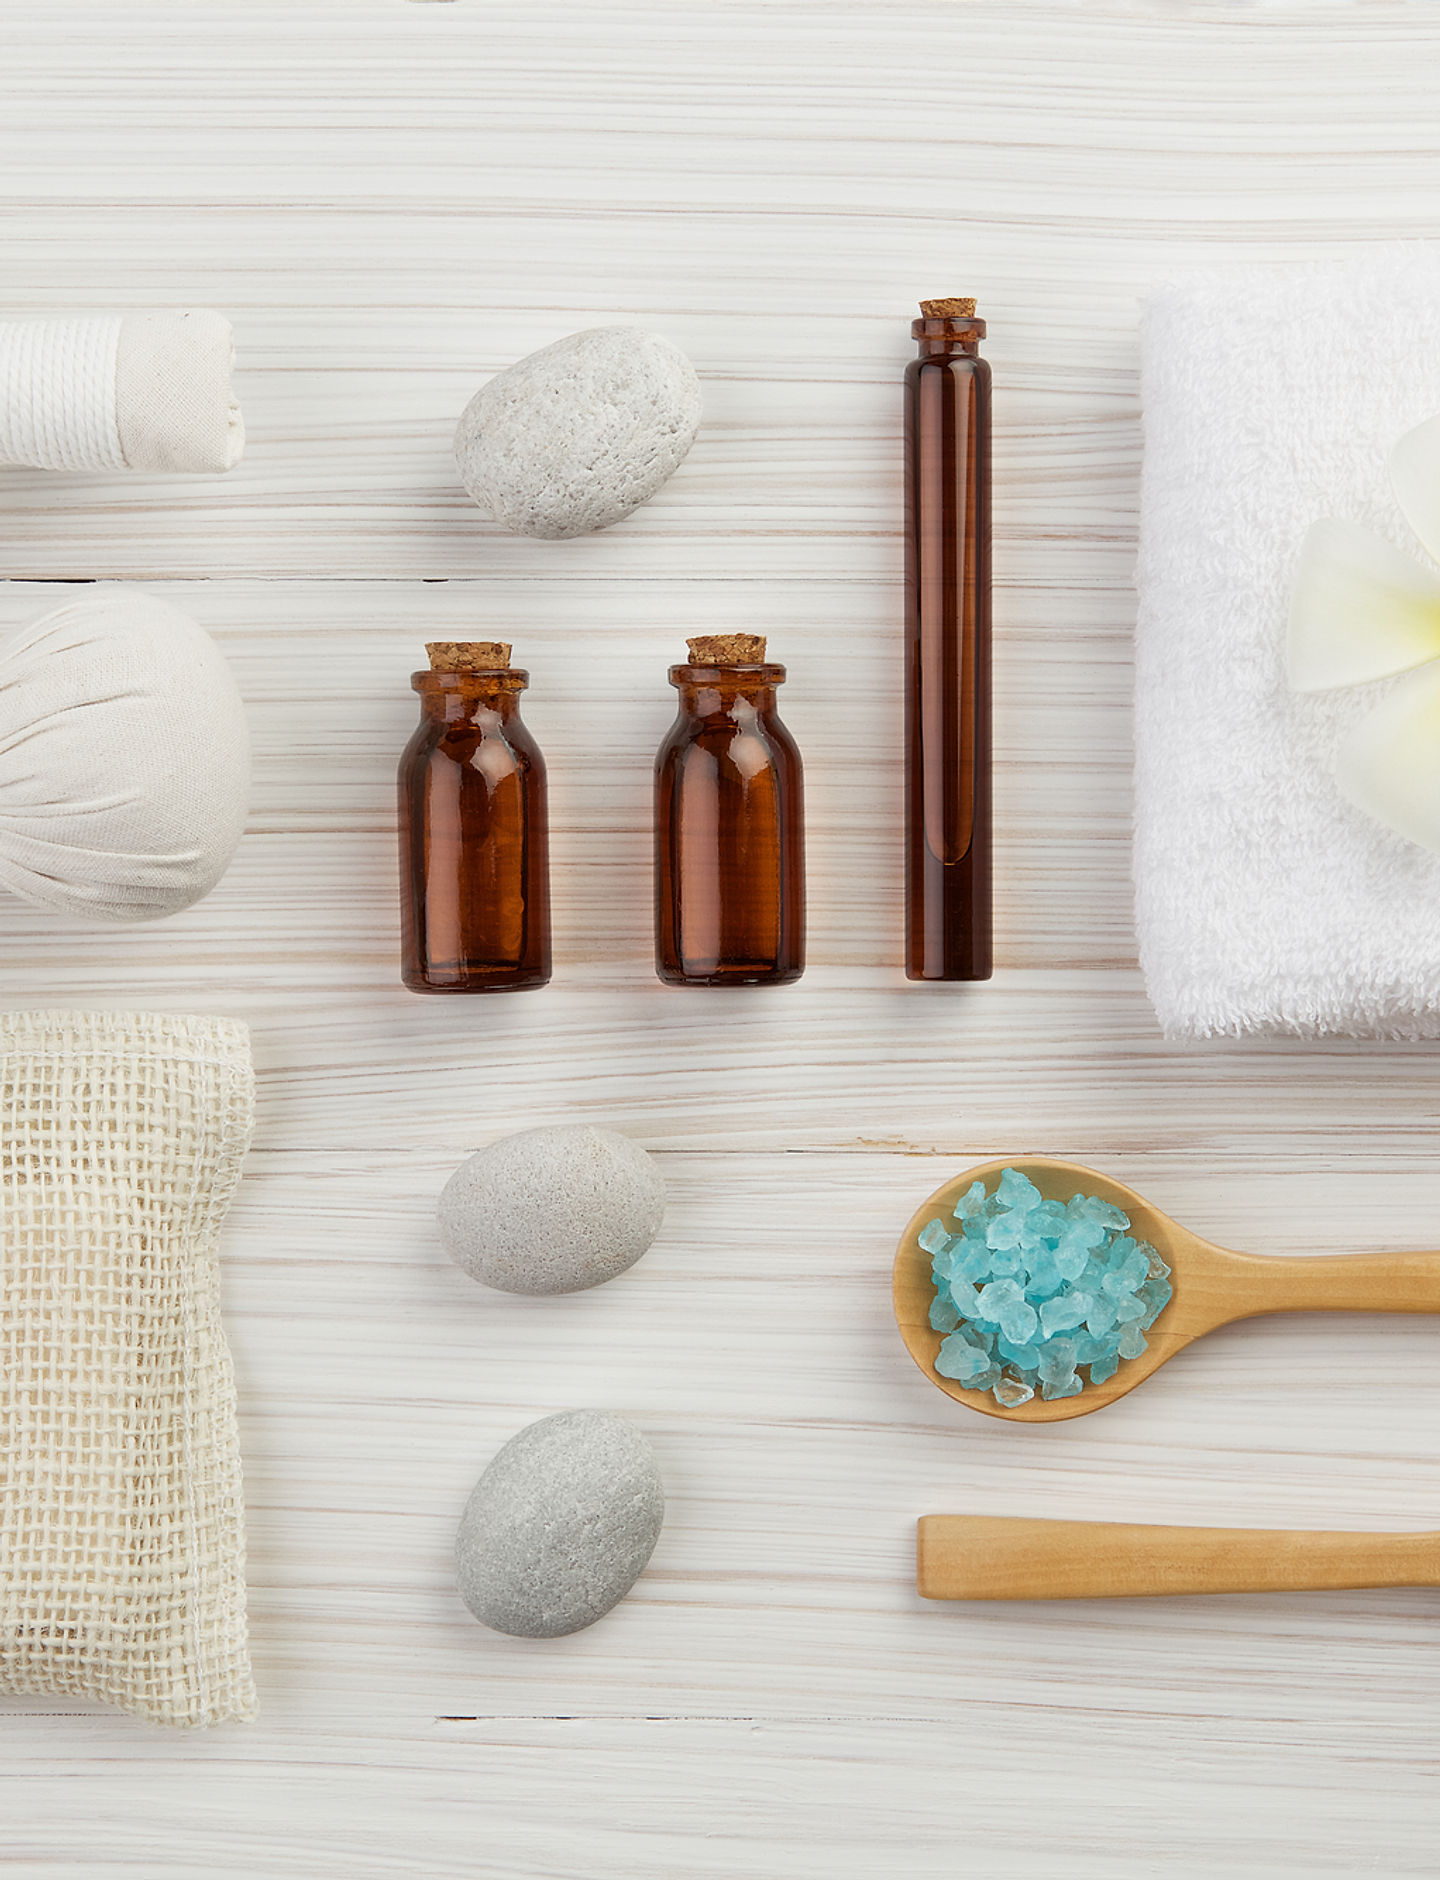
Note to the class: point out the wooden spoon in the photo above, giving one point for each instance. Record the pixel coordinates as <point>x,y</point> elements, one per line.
<point>1213,1286</point>
<point>961,1556</point>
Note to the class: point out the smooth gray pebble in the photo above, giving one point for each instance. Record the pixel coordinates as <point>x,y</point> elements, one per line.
<point>560,1526</point>
<point>552,1210</point>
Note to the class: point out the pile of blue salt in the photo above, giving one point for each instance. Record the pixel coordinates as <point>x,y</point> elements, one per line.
<point>1030,1291</point>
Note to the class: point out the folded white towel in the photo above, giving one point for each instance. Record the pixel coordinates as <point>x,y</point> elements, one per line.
<point>1265,902</point>
<point>137,391</point>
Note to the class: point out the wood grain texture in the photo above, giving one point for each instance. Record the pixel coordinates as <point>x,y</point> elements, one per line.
<point>392,200</point>
<point>977,1556</point>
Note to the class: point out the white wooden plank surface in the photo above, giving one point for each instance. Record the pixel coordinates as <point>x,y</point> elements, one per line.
<point>392,200</point>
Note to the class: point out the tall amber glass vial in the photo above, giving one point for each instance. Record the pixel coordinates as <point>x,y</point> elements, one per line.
<point>947,647</point>
<point>474,853</point>
<point>729,825</point>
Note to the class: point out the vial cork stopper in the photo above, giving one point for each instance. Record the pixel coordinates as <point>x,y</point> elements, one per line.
<point>727,649</point>
<point>963,309</point>
<point>468,655</point>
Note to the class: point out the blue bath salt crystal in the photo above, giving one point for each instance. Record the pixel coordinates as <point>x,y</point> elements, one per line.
<point>967,1365</point>
<point>933,1237</point>
<point>972,1261</point>
<point>1043,1277</point>
<point>1092,1208</point>
<point>1057,1357</point>
<point>967,1300</point>
<point>1072,1256</point>
<point>1156,1297</point>
<point>1065,1311</point>
<point>1049,1222</point>
<point>1103,1369</point>
<point>1005,1233</point>
<point>1070,1386</point>
<point>1011,1394</point>
<point>1031,1291</point>
<point>944,1313</point>
<point>1019,1357</point>
<point>1020,1323</point>
<point>1102,1317</point>
<point>972,1203</point>
<point>1131,1342</point>
<point>1016,1193</point>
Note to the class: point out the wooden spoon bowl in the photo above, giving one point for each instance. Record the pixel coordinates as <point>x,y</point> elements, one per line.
<point>1213,1286</point>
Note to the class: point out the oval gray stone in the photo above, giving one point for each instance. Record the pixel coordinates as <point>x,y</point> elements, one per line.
<point>560,1526</point>
<point>552,1210</point>
<point>573,437</point>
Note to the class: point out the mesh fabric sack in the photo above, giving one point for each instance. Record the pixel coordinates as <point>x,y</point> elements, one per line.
<point>121,1541</point>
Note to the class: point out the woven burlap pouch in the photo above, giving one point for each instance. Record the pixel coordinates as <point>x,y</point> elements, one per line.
<point>121,1540</point>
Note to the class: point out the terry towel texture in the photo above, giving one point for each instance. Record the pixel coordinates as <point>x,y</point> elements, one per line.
<point>1265,902</point>
<point>135,391</point>
<point>121,1541</point>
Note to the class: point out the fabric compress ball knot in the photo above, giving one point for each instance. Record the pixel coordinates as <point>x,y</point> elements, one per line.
<point>124,759</point>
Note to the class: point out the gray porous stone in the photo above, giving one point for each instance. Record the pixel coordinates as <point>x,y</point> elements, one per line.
<point>560,1526</point>
<point>573,437</point>
<point>552,1210</point>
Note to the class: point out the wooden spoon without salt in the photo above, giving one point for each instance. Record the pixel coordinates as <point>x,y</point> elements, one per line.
<point>1213,1286</point>
<point>960,1556</point>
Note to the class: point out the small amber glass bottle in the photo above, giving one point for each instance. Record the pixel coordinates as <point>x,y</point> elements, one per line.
<point>729,825</point>
<point>474,858</point>
<point>947,652</point>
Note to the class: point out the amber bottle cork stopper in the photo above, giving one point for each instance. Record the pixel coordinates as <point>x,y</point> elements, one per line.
<point>963,309</point>
<point>468,655</point>
<point>727,649</point>
<point>474,844</point>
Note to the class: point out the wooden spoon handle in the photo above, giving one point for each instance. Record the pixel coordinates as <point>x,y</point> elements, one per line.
<point>961,1556</point>
<point>1352,1282</point>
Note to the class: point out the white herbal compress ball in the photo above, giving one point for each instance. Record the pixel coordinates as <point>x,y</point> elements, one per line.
<point>124,759</point>
<point>572,438</point>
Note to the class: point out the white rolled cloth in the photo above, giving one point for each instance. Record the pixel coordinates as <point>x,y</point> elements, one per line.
<point>133,391</point>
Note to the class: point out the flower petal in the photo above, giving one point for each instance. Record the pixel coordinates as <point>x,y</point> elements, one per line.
<point>1390,763</point>
<point>1415,479</point>
<point>1360,609</point>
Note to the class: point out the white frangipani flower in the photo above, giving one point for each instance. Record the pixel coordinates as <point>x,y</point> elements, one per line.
<point>1363,610</point>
